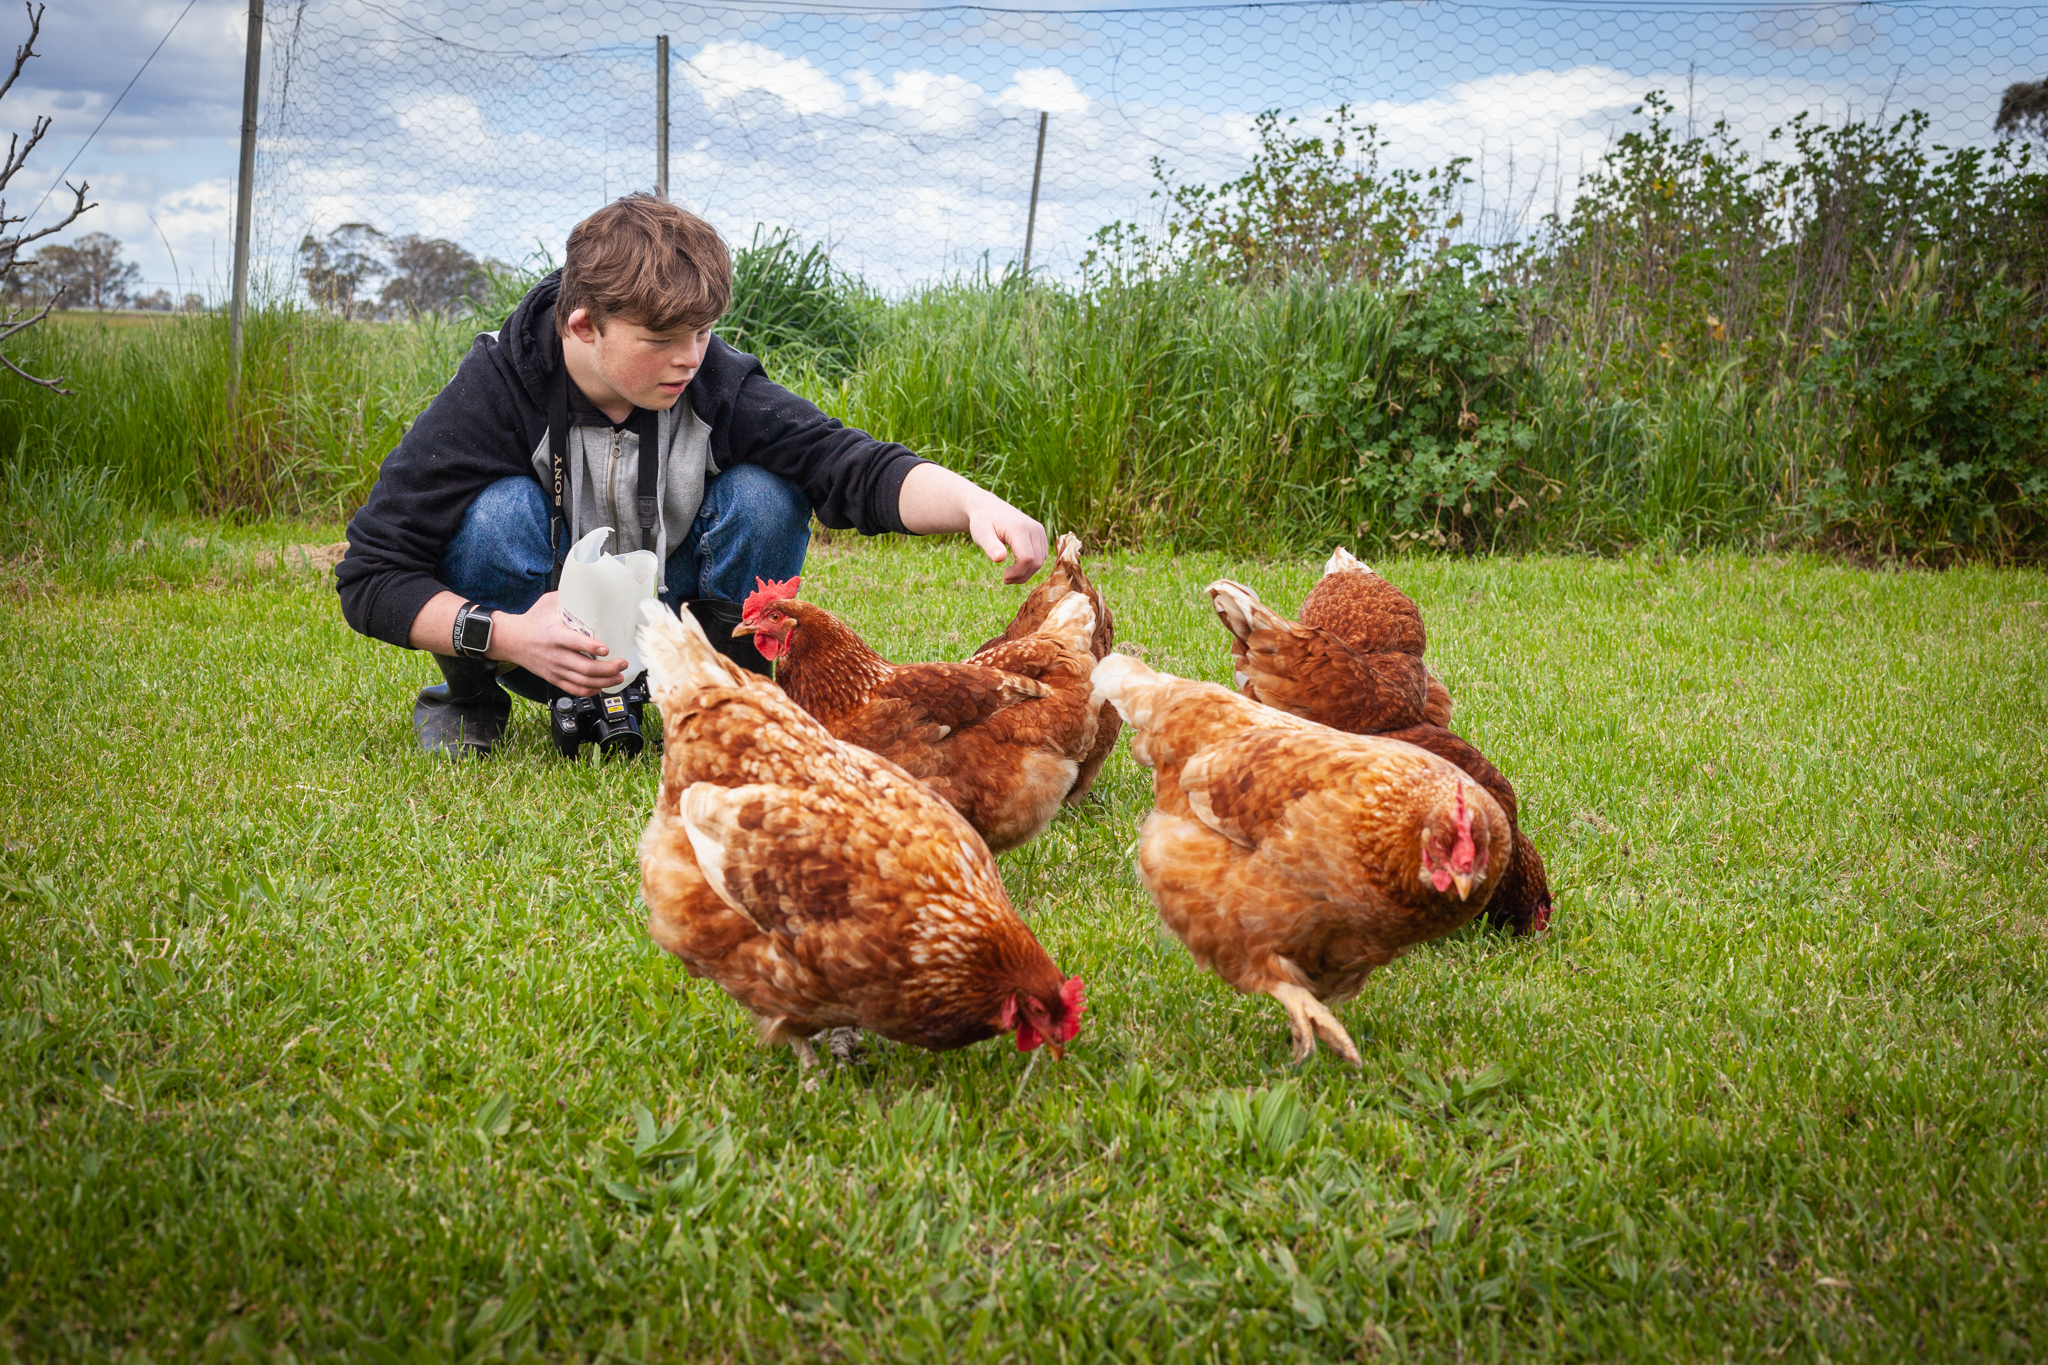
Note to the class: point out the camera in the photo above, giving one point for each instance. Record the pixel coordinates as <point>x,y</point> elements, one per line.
<point>610,721</point>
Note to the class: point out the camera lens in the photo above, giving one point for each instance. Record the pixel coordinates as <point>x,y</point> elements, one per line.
<point>617,729</point>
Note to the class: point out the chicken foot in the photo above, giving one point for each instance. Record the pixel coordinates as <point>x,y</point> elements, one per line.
<point>845,1045</point>
<point>806,1060</point>
<point>1308,1019</point>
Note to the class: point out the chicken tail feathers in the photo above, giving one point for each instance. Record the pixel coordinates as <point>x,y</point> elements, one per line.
<point>1130,686</point>
<point>680,659</point>
<point>1240,609</point>
<point>1068,552</point>
<point>1343,561</point>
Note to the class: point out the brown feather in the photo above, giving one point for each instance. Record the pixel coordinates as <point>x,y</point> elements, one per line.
<point>1000,741</point>
<point>1521,903</point>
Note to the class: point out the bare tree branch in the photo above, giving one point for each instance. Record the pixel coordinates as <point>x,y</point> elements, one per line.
<point>27,49</point>
<point>53,385</point>
<point>18,151</point>
<point>17,158</point>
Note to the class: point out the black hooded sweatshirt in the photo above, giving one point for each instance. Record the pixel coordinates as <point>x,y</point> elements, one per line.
<point>488,422</point>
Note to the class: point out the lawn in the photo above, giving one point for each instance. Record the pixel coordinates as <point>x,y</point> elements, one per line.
<point>316,1048</point>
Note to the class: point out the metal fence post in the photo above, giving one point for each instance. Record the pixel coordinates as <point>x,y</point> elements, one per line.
<point>1037,169</point>
<point>245,194</point>
<point>661,116</point>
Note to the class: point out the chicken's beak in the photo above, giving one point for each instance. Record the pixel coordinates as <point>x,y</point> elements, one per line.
<point>744,629</point>
<point>1058,1050</point>
<point>1463,881</point>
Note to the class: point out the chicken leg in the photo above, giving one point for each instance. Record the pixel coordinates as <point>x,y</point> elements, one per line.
<point>1308,1018</point>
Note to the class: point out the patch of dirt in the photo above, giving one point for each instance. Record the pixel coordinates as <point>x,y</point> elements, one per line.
<point>316,558</point>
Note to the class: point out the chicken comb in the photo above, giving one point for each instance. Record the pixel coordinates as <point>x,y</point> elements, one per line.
<point>1074,996</point>
<point>1463,852</point>
<point>766,593</point>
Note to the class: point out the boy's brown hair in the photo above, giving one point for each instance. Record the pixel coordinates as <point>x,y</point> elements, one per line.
<point>643,259</point>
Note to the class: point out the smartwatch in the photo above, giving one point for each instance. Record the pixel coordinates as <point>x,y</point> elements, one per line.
<point>472,631</point>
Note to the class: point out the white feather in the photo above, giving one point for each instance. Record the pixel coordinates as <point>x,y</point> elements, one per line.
<point>707,812</point>
<point>1343,561</point>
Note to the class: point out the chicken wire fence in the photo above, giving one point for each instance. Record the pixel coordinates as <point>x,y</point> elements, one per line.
<point>905,139</point>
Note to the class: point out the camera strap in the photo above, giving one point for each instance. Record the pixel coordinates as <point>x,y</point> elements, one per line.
<point>644,424</point>
<point>558,462</point>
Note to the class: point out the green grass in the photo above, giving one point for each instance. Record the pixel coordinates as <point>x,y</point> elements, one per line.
<point>315,1048</point>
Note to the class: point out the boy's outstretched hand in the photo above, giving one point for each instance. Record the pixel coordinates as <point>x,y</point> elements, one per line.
<point>935,500</point>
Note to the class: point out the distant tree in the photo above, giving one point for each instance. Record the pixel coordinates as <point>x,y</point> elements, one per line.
<point>89,271</point>
<point>2024,110</point>
<point>159,302</point>
<point>12,239</point>
<point>337,267</point>
<point>195,303</point>
<point>433,275</point>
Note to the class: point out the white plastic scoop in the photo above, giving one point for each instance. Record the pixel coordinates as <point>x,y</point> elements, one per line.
<point>602,593</point>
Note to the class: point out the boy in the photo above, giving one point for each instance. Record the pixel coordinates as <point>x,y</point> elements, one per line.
<point>606,401</point>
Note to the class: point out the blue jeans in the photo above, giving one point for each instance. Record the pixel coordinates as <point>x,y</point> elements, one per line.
<point>751,525</point>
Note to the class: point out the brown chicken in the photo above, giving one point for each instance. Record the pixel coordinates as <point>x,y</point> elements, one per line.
<point>1310,672</point>
<point>1292,859</point>
<point>1359,607</point>
<point>1063,578</point>
<point>820,885</point>
<point>1001,738</point>
<point>1358,668</point>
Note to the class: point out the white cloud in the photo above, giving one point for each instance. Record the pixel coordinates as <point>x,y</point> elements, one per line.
<point>442,119</point>
<point>1045,88</point>
<point>929,102</point>
<point>723,72</point>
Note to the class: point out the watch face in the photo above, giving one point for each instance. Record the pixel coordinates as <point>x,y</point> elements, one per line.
<point>476,632</point>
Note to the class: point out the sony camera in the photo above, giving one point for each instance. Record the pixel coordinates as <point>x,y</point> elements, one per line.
<point>611,721</point>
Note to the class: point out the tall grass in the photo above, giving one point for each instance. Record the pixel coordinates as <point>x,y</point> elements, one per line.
<point>1182,411</point>
<point>1847,346</point>
<point>319,402</point>
<point>1158,411</point>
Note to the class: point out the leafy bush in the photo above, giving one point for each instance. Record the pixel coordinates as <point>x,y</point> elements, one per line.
<point>1693,250</point>
<point>1945,421</point>
<point>1430,430</point>
<point>1320,206</point>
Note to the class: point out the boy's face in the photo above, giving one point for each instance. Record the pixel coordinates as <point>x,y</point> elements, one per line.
<point>647,368</point>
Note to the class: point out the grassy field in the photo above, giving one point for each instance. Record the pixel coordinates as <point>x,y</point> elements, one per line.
<point>315,1048</point>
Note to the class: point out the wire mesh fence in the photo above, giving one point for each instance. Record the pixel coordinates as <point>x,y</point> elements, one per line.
<point>905,138</point>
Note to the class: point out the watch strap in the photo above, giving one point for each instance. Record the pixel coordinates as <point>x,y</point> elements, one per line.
<point>467,619</point>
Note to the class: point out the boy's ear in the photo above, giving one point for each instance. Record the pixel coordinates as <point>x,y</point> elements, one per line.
<point>579,325</point>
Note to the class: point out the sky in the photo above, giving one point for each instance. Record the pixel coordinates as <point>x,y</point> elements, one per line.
<point>905,138</point>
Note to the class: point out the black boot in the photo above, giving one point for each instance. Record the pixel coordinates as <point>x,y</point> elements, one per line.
<point>464,715</point>
<point>719,617</point>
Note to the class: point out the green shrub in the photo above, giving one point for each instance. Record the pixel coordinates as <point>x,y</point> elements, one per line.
<point>1945,423</point>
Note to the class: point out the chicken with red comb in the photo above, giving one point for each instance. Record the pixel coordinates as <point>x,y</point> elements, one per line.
<point>1001,737</point>
<point>1293,859</point>
<point>820,885</point>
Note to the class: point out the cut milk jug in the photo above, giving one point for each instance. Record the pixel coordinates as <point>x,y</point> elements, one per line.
<point>602,593</point>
